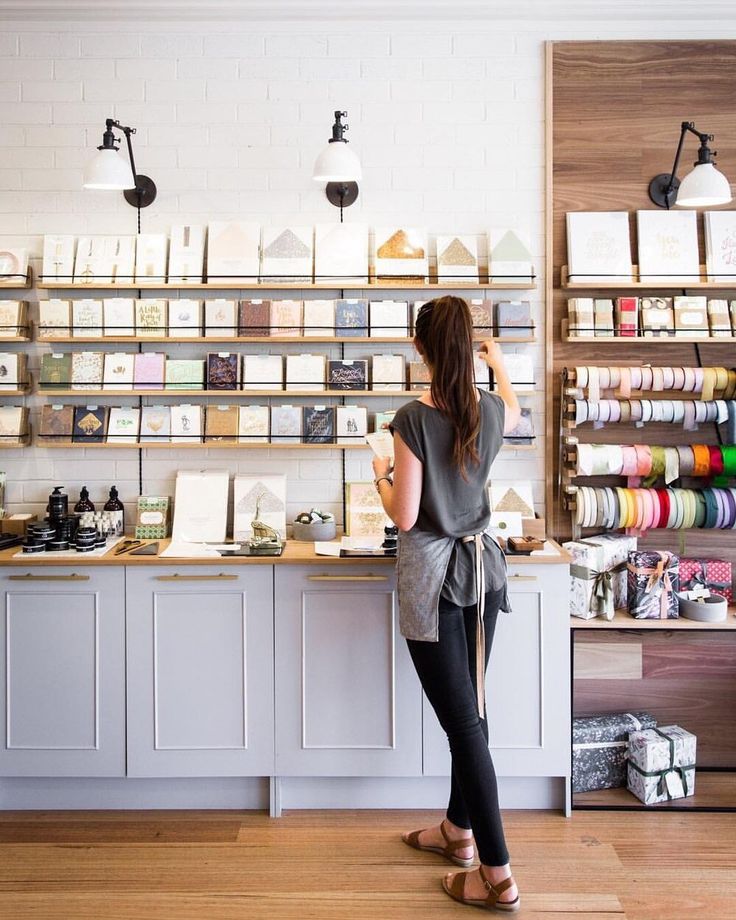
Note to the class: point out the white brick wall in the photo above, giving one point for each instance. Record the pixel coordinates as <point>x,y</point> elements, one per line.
<point>447,119</point>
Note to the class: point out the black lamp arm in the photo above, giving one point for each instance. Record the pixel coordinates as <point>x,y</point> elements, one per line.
<point>703,154</point>
<point>108,140</point>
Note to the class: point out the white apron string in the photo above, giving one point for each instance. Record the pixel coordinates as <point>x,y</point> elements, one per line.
<point>480,631</point>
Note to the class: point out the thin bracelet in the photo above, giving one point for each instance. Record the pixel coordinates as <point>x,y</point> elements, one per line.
<point>380,479</point>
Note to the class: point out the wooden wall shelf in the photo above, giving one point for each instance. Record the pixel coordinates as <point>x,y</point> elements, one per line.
<point>226,394</point>
<point>383,285</point>
<point>258,340</point>
<point>623,620</point>
<point>714,791</point>
<point>647,341</point>
<point>232,445</point>
<point>675,284</point>
<point>16,284</point>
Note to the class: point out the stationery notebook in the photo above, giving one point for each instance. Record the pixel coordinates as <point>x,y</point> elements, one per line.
<point>305,372</point>
<point>319,318</point>
<point>54,318</point>
<point>87,318</point>
<point>286,424</point>
<point>388,372</point>
<point>118,371</point>
<point>186,254</point>
<point>221,423</point>
<point>341,253</point>
<point>58,257</point>
<point>668,245</point>
<point>319,424</point>
<point>263,372</point>
<point>87,370</point>
<point>253,424</point>
<point>56,371</point>
<point>223,371</point>
<point>351,424</point>
<point>90,423</point>
<point>603,317</point>
<point>509,255</point>
<point>347,375</point>
<point>286,254</point>
<point>598,246</point>
<point>119,316</point>
<point>184,374</point>
<point>389,319</point>
<point>233,249</point>
<point>150,257</point>
<point>457,258</point>
<point>351,318</point>
<point>186,424</point>
<point>220,318</point>
<point>254,318</point>
<point>155,424</point>
<point>286,318</point>
<point>185,318</point>
<point>627,316</point>
<point>123,425</point>
<point>148,371</point>
<point>150,317</point>
<point>56,423</point>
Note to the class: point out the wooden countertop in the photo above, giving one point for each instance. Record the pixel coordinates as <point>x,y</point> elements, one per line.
<point>623,620</point>
<point>294,554</point>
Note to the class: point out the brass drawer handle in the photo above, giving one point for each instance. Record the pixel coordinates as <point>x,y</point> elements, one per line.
<point>347,577</point>
<point>522,577</point>
<point>29,577</point>
<point>221,576</point>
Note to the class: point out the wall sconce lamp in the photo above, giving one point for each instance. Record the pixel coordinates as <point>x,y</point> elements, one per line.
<point>106,170</point>
<point>339,167</point>
<point>704,186</point>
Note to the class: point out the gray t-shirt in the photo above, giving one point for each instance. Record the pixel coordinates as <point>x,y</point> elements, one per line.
<point>449,505</point>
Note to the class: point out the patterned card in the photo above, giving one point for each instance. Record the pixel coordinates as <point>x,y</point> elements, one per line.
<point>401,252</point>
<point>513,318</point>
<point>87,318</point>
<point>233,249</point>
<point>185,318</point>
<point>262,498</point>
<point>598,246</point>
<point>119,316</point>
<point>155,424</point>
<point>150,317</point>
<point>419,376</point>
<point>347,375</point>
<point>509,255</point>
<point>254,318</point>
<point>389,319</point>
<point>720,245</point>
<point>286,317</point>
<point>186,424</point>
<point>523,433</point>
<point>341,253</point>
<point>319,318</point>
<point>184,374</point>
<point>123,425</point>
<point>305,372</point>
<point>89,263</point>
<point>56,371</point>
<point>286,424</point>
<point>87,370</point>
<point>223,371</point>
<point>457,258</point>
<point>263,372</point>
<point>388,372</point>
<point>220,318</point>
<point>56,423</point>
<point>118,259</point>
<point>58,257</point>
<point>11,318</point>
<point>364,514</point>
<point>118,371</point>
<point>149,370</point>
<point>351,424</point>
<point>90,423</point>
<point>286,254</point>
<point>150,257</point>
<point>319,424</point>
<point>481,313</point>
<point>351,318</point>
<point>221,423</point>
<point>381,420</point>
<point>253,424</point>
<point>668,245</point>
<point>54,318</point>
<point>186,254</point>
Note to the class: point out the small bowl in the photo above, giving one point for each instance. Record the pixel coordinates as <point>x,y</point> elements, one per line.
<point>309,533</point>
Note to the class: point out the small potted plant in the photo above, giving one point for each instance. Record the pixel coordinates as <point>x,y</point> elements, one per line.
<point>313,525</point>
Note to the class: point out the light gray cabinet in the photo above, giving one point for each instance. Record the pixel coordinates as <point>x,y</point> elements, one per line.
<point>62,673</point>
<point>200,670</point>
<point>348,702</point>
<point>527,683</point>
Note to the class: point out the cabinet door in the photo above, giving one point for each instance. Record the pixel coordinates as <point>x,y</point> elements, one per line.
<point>62,675</point>
<point>200,670</point>
<point>348,702</point>
<point>527,683</point>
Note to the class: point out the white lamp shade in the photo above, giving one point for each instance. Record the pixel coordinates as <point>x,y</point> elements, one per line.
<point>108,170</point>
<point>703,187</point>
<point>337,163</point>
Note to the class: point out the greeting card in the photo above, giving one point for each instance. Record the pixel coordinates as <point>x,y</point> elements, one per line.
<point>388,372</point>
<point>89,265</point>
<point>58,257</point>
<point>389,319</point>
<point>254,318</point>
<point>184,374</point>
<point>233,250</point>
<point>54,319</point>
<point>319,424</point>
<point>341,253</point>
<point>123,425</point>
<point>286,318</point>
<point>263,372</point>
<point>260,498</point>
<point>56,423</point>
<point>223,371</point>
<point>347,375</point>
<point>351,318</point>
<point>221,423</point>
<point>286,424</point>
<point>351,423</point>
<point>87,370</point>
<point>319,318</point>
<point>155,424</point>
<point>401,252</point>
<point>598,246</point>
<point>509,255</point>
<point>148,370</point>
<point>87,318</point>
<point>253,424</point>
<point>89,424</point>
<point>720,245</point>
<point>118,259</point>
<point>286,254</point>
<point>220,318</point>
<point>150,257</point>
<point>668,245</point>
<point>119,316</point>
<point>186,424</point>
<point>150,317</point>
<point>457,258</point>
<point>305,372</point>
<point>118,371</point>
<point>364,514</point>
<point>186,254</point>
<point>185,318</point>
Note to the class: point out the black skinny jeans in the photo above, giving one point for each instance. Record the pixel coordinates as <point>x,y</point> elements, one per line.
<point>446,670</point>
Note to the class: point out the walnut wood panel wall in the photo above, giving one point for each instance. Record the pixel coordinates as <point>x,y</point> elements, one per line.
<point>613,119</point>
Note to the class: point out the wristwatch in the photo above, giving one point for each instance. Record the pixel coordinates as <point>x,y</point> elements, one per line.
<point>379,480</point>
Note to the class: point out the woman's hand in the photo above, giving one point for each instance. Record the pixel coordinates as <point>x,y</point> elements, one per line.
<point>491,353</point>
<point>382,466</point>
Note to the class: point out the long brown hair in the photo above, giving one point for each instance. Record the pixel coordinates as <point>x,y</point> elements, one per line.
<point>444,329</point>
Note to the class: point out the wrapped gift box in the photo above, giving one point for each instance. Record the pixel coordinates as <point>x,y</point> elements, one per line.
<point>661,764</point>
<point>714,574</point>
<point>653,583</point>
<point>598,575</point>
<point>599,748</point>
<point>616,548</point>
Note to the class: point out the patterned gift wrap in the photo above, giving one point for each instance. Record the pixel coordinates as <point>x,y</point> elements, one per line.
<point>599,748</point>
<point>653,583</point>
<point>714,574</point>
<point>661,764</point>
<point>584,580</point>
<point>616,548</point>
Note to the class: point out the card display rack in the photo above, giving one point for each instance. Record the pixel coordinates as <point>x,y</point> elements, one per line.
<point>595,282</point>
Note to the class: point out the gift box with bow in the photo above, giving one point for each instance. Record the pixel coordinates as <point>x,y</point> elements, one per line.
<point>714,574</point>
<point>653,583</point>
<point>661,764</point>
<point>599,748</point>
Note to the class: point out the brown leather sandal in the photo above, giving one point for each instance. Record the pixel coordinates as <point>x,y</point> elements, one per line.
<point>448,851</point>
<point>456,890</point>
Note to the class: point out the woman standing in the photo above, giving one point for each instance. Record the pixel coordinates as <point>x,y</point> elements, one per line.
<point>452,580</point>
